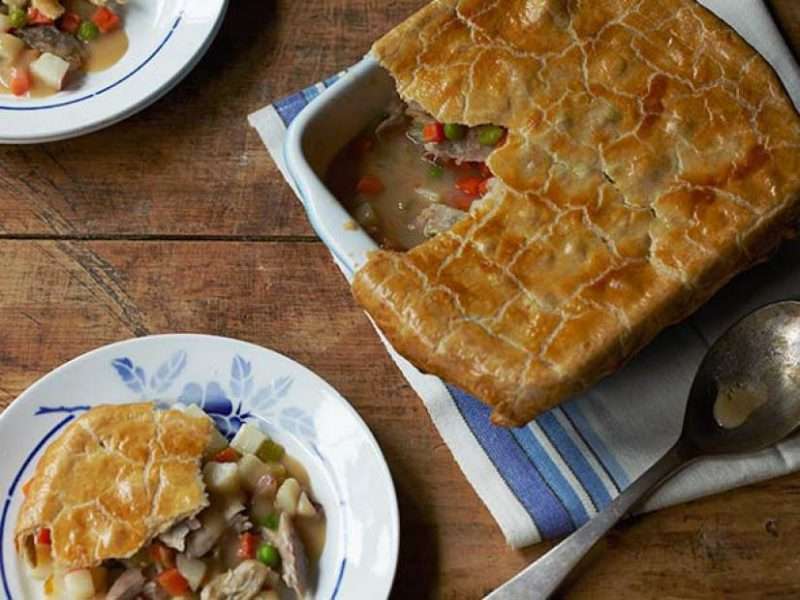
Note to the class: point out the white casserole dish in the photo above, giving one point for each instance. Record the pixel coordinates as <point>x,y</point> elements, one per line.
<point>314,138</point>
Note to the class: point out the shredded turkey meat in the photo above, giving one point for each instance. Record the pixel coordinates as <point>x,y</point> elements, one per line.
<point>438,218</point>
<point>395,117</point>
<point>175,538</point>
<point>50,39</point>
<point>128,586</point>
<point>242,583</point>
<point>153,591</point>
<point>293,554</point>
<point>201,541</point>
<point>468,149</point>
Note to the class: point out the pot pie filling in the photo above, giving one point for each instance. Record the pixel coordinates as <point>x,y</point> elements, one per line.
<point>408,177</point>
<point>46,45</point>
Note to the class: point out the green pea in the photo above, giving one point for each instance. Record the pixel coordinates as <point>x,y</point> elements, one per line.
<point>268,554</point>
<point>270,521</point>
<point>18,18</point>
<point>270,451</point>
<point>88,31</point>
<point>435,171</point>
<point>489,135</point>
<point>454,131</point>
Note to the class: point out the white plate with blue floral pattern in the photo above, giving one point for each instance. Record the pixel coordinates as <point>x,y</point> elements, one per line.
<point>234,382</point>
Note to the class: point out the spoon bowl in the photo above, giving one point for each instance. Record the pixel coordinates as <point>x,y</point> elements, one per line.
<point>746,394</point>
<point>745,397</point>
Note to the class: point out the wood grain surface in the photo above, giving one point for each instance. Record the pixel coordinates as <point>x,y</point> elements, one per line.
<point>176,220</point>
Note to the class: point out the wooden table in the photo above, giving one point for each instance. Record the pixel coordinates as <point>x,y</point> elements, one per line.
<point>176,220</point>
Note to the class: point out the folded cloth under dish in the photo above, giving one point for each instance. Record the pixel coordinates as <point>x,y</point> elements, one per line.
<point>547,478</point>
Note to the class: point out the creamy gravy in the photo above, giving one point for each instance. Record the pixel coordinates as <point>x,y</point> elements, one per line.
<point>311,531</point>
<point>108,48</point>
<point>736,403</point>
<point>106,51</point>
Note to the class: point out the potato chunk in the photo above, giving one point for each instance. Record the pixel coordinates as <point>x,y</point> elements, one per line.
<point>248,439</point>
<point>51,9</point>
<point>50,70</point>
<point>288,496</point>
<point>10,47</point>
<point>79,585</point>
<point>221,478</point>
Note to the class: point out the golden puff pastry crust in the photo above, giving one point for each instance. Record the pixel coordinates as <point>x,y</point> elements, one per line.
<point>651,155</point>
<point>117,477</point>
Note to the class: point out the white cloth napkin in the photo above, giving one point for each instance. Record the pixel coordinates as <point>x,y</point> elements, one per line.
<point>546,479</point>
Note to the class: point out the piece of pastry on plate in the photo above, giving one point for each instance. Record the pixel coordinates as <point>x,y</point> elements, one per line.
<point>116,478</point>
<point>651,155</point>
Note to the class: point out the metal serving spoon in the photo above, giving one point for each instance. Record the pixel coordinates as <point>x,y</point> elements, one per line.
<point>745,397</point>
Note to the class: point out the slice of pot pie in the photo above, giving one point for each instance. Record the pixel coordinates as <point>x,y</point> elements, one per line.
<point>650,155</point>
<point>136,502</point>
<point>117,477</point>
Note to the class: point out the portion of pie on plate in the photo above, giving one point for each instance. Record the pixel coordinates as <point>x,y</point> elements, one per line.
<point>46,43</point>
<point>577,176</point>
<point>132,501</point>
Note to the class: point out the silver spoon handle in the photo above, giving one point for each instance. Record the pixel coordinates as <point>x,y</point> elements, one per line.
<point>542,578</point>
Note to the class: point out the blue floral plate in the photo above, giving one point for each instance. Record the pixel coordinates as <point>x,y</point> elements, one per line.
<point>234,382</point>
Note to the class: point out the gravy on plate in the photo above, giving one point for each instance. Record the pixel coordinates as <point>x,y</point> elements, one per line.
<point>407,177</point>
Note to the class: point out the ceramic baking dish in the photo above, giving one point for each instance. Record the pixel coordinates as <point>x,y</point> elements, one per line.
<point>315,137</point>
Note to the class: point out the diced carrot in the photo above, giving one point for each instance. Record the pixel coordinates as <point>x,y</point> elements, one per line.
<point>70,22</point>
<point>484,186</point>
<point>471,186</point>
<point>21,82</point>
<point>105,19</point>
<point>173,583</point>
<point>370,185</point>
<point>228,455</point>
<point>36,17</point>
<point>248,542</point>
<point>162,555</point>
<point>460,200</point>
<point>43,537</point>
<point>433,132</point>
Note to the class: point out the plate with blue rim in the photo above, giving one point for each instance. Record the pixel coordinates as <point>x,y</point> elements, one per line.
<point>234,382</point>
<point>166,40</point>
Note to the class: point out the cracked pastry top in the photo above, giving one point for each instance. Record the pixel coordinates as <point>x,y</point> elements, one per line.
<point>650,156</point>
<point>117,477</point>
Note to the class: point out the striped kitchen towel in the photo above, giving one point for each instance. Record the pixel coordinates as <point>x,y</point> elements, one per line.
<point>546,479</point>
